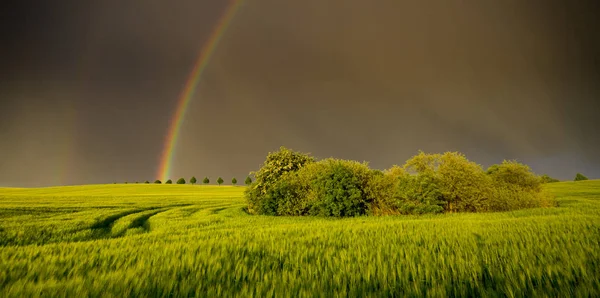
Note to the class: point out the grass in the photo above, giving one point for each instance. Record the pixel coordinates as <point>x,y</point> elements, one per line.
<point>182,240</point>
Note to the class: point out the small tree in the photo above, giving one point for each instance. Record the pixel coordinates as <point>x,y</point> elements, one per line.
<point>157,182</point>
<point>193,180</point>
<point>580,177</point>
<point>233,181</point>
<point>147,182</point>
<point>206,180</point>
<point>220,181</point>
<point>181,181</point>
<point>248,180</point>
<point>547,179</point>
<point>169,182</point>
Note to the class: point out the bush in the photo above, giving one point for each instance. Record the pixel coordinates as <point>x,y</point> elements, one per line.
<point>206,180</point>
<point>181,181</point>
<point>547,179</point>
<point>220,181</point>
<point>338,187</point>
<point>193,180</point>
<point>514,173</point>
<point>233,181</point>
<point>419,194</point>
<point>248,180</point>
<point>449,179</point>
<point>328,188</point>
<point>157,182</point>
<point>515,186</point>
<point>580,177</point>
<point>381,191</point>
<point>275,166</point>
<point>292,183</point>
<point>169,182</point>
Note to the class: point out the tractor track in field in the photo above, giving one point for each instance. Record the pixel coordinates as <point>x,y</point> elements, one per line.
<point>102,228</point>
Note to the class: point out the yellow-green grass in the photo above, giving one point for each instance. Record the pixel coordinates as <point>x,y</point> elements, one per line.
<point>183,240</point>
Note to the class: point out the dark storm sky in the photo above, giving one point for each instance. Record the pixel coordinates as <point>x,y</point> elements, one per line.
<point>87,88</point>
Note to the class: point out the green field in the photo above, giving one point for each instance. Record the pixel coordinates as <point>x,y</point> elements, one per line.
<point>182,240</point>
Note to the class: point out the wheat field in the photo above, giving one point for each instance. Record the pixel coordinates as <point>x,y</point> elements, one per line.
<point>146,240</point>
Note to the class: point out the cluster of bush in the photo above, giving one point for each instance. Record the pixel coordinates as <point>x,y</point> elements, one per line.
<point>293,183</point>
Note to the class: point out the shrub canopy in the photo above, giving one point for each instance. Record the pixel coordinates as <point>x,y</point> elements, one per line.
<point>267,177</point>
<point>293,183</point>
<point>580,177</point>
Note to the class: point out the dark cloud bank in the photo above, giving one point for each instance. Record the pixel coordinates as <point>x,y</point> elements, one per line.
<point>87,90</point>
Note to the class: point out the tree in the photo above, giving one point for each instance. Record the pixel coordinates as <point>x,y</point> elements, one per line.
<point>181,181</point>
<point>547,179</point>
<point>580,177</point>
<point>233,181</point>
<point>220,181</point>
<point>157,182</point>
<point>169,182</point>
<point>206,180</point>
<point>193,180</point>
<point>147,182</point>
<point>248,180</point>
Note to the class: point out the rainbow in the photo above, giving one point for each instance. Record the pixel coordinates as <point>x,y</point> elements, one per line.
<point>166,160</point>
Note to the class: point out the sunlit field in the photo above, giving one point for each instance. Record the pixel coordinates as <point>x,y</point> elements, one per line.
<point>183,240</point>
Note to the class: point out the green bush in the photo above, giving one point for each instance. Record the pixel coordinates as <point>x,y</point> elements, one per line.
<point>338,187</point>
<point>206,180</point>
<point>275,166</point>
<point>547,179</point>
<point>181,181</point>
<point>157,182</point>
<point>449,179</point>
<point>419,194</point>
<point>292,183</point>
<point>515,186</point>
<point>169,182</point>
<point>580,177</point>
<point>220,181</point>
<point>193,180</point>
<point>514,173</point>
<point>382,191</point>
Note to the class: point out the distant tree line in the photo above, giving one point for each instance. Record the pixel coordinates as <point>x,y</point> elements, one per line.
<point>206,180</point>
<point>293,183</point>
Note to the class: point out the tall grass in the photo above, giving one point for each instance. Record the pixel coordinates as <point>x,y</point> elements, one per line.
<point>182,240</point>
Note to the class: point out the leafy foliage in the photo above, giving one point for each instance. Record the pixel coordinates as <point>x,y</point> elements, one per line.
<point>169,182</point>
<point>233,181</point>
<point>338,187</point>
<point>220,181</point>
<point>547,179</point>
<point>580,177</point>
<point>157,181</point>
<point>193,180</point>
<point>451,178</point>
<point>248,180</point>
<point>206,180</point>
<point>291,183</point>
<point>181,181</point>
<point>266,178</point>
